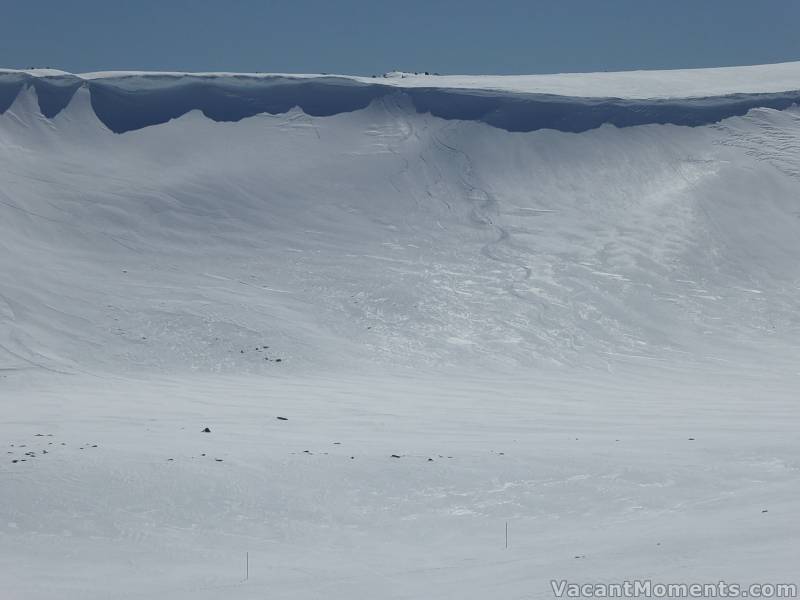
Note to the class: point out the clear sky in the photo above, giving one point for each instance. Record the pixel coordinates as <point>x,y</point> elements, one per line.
<point>365,37</point>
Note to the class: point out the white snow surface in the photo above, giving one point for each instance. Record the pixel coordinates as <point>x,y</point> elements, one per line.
<point>591,338</point>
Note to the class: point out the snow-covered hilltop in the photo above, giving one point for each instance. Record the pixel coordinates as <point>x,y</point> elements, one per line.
<point>566,302</point>
<point>678,83</point>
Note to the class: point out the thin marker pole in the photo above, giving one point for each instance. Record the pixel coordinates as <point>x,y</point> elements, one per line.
<point>246,566</point>
<point>506,535</point>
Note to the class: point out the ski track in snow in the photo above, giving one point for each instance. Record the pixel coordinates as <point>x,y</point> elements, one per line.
<point>592,337</point>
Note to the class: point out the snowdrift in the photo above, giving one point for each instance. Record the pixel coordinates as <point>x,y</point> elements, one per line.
<point>173,221</point>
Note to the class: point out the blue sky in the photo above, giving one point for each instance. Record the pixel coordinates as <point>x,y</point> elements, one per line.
<point>359,37</point>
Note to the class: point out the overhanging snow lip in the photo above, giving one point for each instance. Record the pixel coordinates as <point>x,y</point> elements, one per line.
<point>130,101</point>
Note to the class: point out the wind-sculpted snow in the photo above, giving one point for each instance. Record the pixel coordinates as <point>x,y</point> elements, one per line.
<point>54,92</point>
<point>129,102</point>
<point>124,106</point>
<point>531,112</point>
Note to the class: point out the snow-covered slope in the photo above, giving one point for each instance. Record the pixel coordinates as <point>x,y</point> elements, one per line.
<point>546,284</point>
<point>391,233</point>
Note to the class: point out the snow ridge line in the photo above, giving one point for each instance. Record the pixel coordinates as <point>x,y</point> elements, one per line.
<point>131,102</point>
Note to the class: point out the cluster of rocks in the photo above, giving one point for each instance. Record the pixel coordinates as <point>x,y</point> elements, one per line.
<point>23,454</point>
<point>262,349</point>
